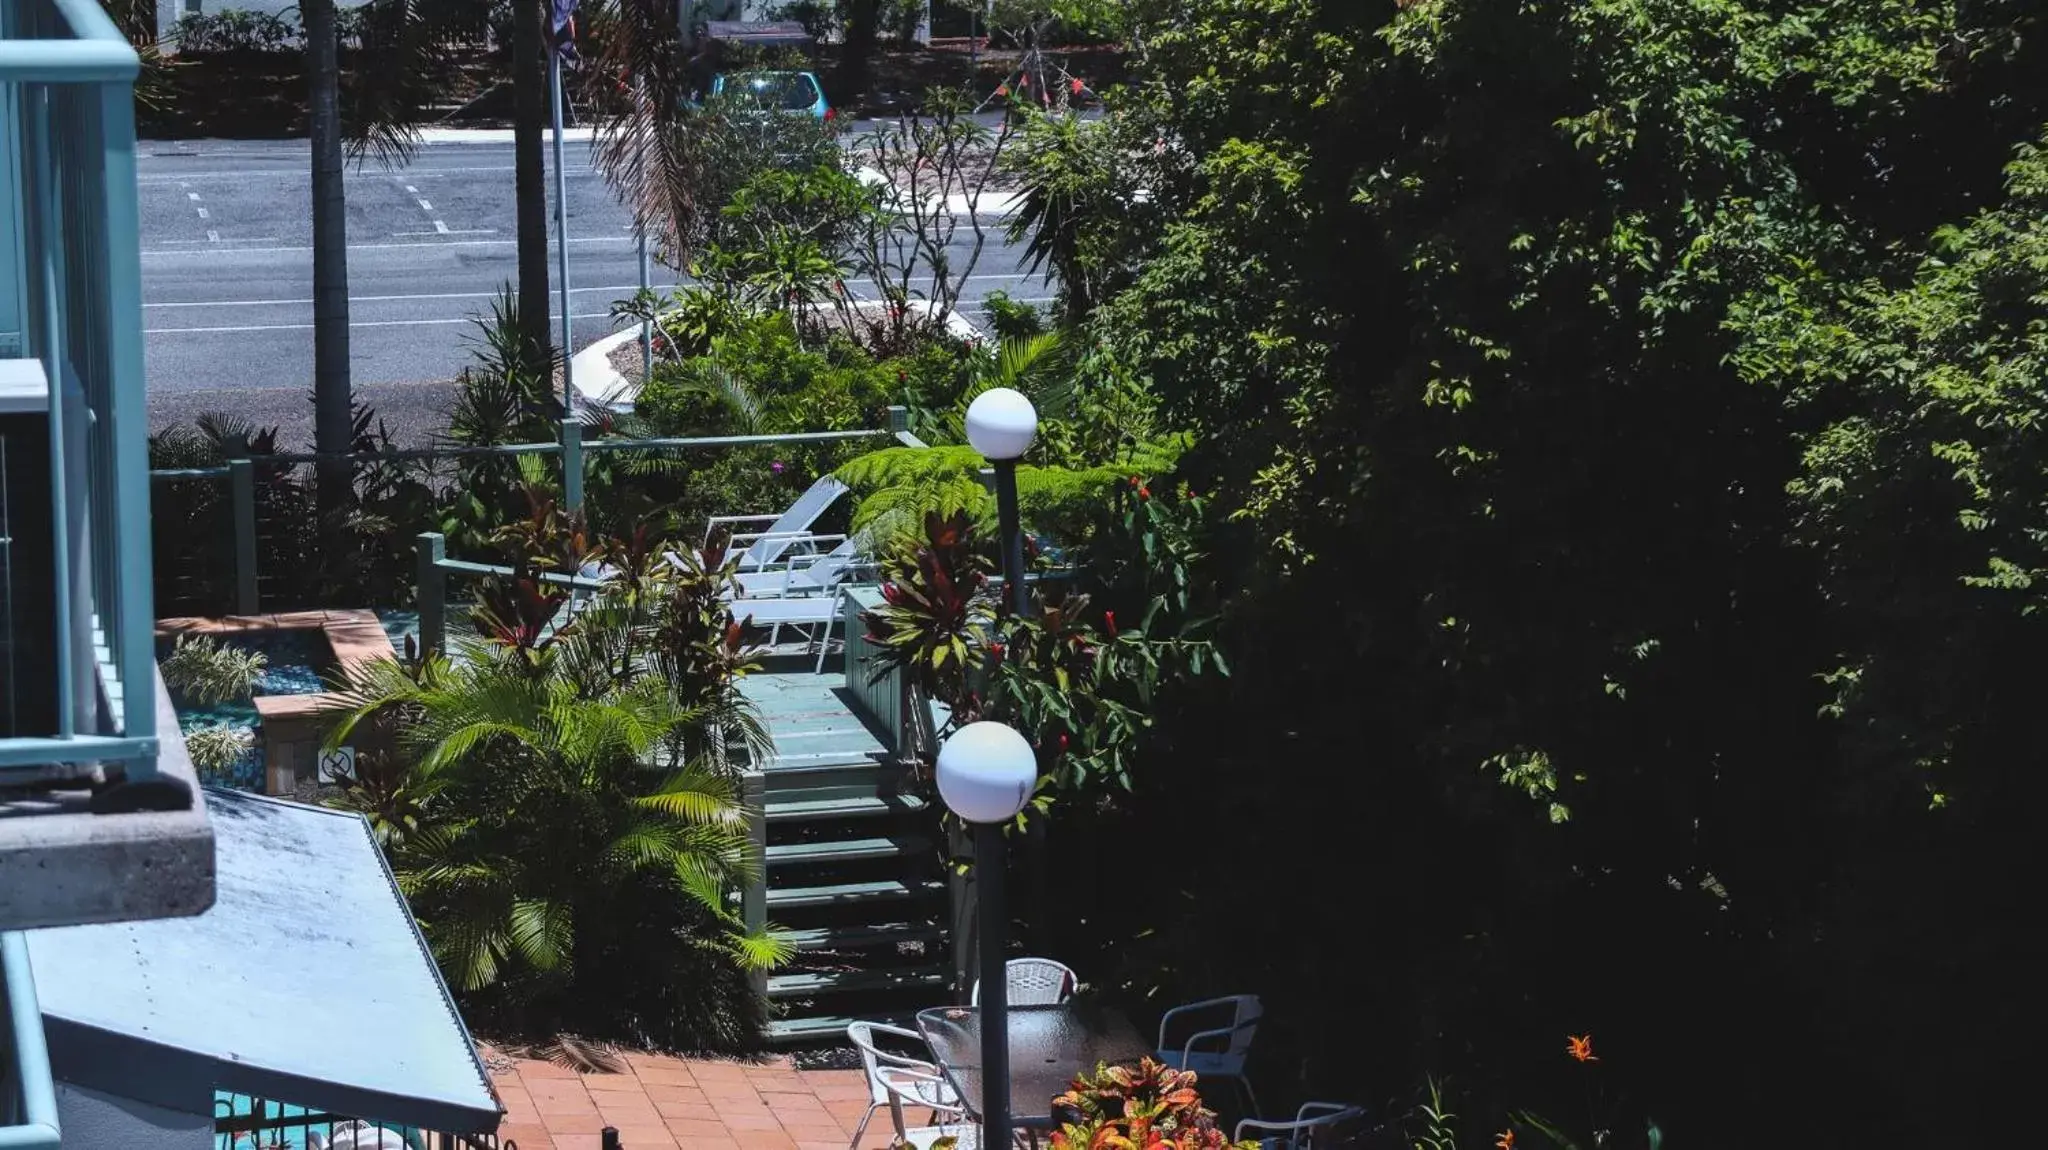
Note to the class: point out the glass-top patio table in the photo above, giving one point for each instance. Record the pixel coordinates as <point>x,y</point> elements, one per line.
<point>1049,1047</point>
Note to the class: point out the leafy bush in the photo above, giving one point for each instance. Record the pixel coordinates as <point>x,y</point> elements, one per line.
<point>1148,1105</point>
<point>234,30</point>
<point>205,670</point>
<point>555,790</point>
<point>216,750</point>
<point>1010,319</point>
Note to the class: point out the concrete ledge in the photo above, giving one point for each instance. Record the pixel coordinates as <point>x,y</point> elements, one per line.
<point>62,865</point>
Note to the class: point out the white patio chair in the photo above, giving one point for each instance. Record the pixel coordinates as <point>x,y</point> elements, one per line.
<point>1033,982</point>
<point>819,611</point>
<point>1314,1123</point>
<point>1235,1040</point>
<point>784,530</point>
<point>801,574</point>
<point>895,1080</point>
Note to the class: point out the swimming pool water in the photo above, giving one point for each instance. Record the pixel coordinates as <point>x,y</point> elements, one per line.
<point>297,658</point>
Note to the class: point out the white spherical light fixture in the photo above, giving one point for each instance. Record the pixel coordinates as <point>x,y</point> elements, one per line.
<point>1001,424</point>
<point>987,773</point>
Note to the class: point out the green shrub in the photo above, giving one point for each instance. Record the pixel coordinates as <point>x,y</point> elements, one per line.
<point>206,671</point>
<point>215,750</point>
<point>1011,319</point>
<point>234,30</point>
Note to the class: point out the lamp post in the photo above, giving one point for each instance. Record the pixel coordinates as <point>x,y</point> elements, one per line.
<point>986,773</point>
<point>1001,423</point>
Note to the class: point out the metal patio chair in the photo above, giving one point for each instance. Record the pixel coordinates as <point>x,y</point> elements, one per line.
<point>1033,982</point>
<point>1227,1046</point>
<point>896,1080</point>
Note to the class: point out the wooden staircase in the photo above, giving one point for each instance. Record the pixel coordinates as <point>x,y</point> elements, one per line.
<point>854,879</point>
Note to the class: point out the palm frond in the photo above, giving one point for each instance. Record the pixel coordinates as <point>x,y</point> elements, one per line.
<point>696,796</point>
<point>583,1055</point>
<point>542,932</point>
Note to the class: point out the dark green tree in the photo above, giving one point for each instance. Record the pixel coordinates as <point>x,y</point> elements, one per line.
<point>1597,635</point>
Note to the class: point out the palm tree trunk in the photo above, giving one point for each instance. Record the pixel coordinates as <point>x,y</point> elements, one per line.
<point>863,18</point>
<point>331,399</point>
<point>529,177</point>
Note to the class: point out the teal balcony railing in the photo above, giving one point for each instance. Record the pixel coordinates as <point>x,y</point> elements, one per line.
<point>28,1095</point>
<point>77,671</point>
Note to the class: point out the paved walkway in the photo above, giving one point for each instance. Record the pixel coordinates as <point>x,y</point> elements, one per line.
<point>663,1103</point>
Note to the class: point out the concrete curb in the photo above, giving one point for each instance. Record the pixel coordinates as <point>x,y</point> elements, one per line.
<point>493,135</point>
<point>597,381</point>
<point>989,206</point>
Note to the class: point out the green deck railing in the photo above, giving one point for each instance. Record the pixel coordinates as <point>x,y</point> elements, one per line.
<point>71,299</point>
<point>240,475</point>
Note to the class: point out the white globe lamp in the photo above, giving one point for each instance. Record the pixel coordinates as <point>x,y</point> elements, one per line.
<point>1001,423</point>
<point>987,773</point>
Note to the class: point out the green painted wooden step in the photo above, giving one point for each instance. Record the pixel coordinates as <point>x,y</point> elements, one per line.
<point>872,806</point>
<point>843,982</point>
<point>828,1027</point>
<point>845,850</point>
<point>843,894</point>
<point>853,937</point>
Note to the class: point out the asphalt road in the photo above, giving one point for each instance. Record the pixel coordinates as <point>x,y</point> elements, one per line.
<point>227,266</point>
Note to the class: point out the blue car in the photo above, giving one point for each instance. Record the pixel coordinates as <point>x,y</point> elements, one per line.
<point>795,93</point>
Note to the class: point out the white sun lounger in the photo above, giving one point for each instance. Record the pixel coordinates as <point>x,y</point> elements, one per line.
<point>783,531</point>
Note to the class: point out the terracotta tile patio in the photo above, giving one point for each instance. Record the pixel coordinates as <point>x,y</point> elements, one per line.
<point>662,1103</point>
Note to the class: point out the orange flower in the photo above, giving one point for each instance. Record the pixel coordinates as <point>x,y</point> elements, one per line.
<point>1506,1141</point>
<point>1580,1047</point>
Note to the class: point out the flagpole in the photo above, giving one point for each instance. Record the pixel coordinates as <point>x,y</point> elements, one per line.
<point>572,431</point>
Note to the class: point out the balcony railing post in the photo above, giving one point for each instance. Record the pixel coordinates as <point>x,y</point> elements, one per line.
<point>120,392</point>
<point>433,592</point>
<point>242,486</point>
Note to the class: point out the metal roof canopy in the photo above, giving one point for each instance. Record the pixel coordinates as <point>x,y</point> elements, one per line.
<point>760,34</point>
<point>307,983</point>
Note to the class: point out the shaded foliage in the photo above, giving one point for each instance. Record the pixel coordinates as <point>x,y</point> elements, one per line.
<point>1628,515</point>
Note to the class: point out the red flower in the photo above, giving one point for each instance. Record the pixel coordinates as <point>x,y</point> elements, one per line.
<point>1144,492</point>
<point>998,650</point>
<point>1109,620</point>
<point>1063,743</point>
<point>1580,1047</point>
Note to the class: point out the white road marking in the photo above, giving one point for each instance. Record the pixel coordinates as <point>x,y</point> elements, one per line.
<point>440,227</point>
<point>212,237</point>
<point>411,191</point>
<point>425,206</point>
<point>302,173</point>
<point>246,240</point>
<point>462,295</point>
<point>193,196</point>
<point>203,214</point>
<point>402,322</point>
<point>365,323</point>
<point>619,241</point>
<point>381,298</point>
